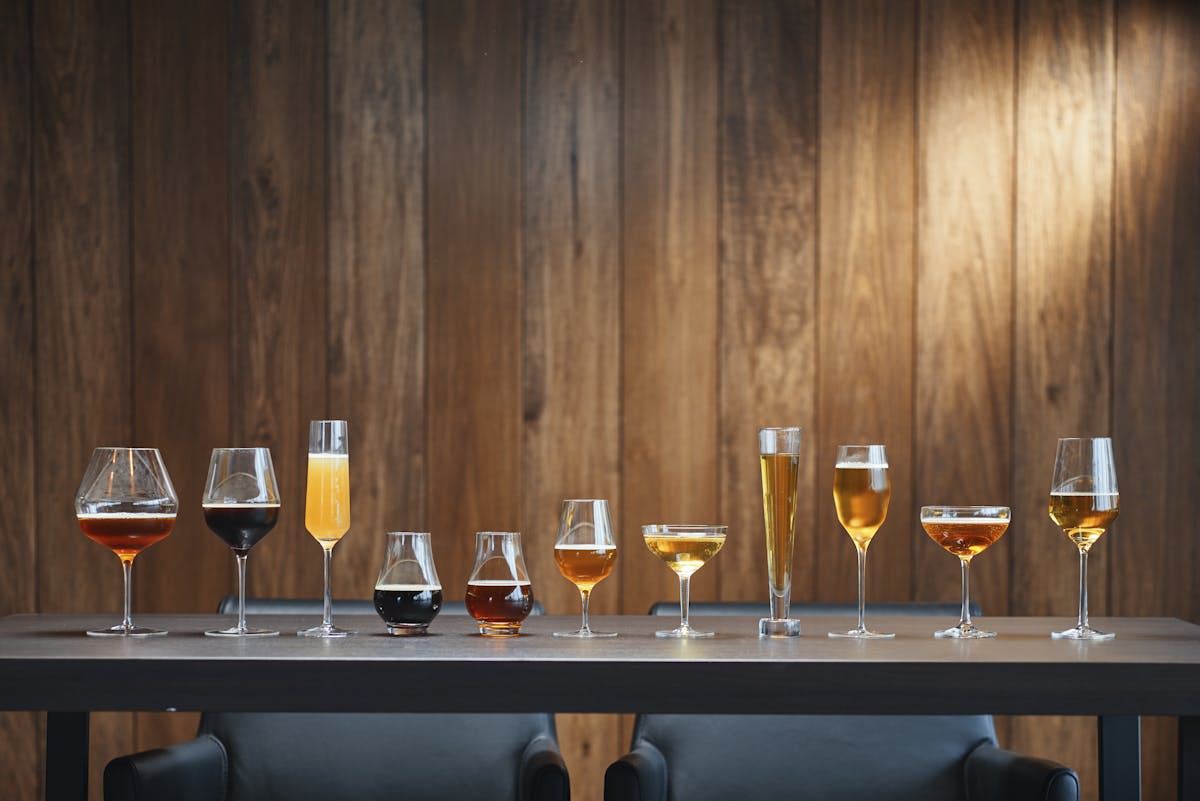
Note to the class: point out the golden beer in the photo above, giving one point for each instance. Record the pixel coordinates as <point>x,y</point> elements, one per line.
<point>861,493</point>
<point>327,502</point>
<point>585,565</point>
<point>965,537</point>
<point>685,554</point>
<point>780,474</point>
<point>1084,516</point>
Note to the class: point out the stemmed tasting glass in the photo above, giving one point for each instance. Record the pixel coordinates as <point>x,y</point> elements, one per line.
<point>327,505</point>
<point>966,532</point>
<point>685,549</point>
<point>1084,502</point>
<point>499,595</point>
<point>126,503</point>
<point>861,492</point>
<point>585,552</point>
<point>779,460</point>
<point>408,594</point>
<point>241,506</point>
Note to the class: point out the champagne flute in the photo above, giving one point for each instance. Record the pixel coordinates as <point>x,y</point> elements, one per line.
<point>241,506</point>
<point>126,503</point>
<point>966,532</point>
<point>861,492</point>
<point>585,552</point>
<point>779,464</point>
<point>685,549</point>
<point>327,505</point>
<point>1084,502</point>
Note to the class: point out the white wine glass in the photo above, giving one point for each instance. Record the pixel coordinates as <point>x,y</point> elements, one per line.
<point>585,551</point>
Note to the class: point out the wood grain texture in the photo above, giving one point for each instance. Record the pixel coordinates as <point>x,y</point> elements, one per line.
<point>670,301</point>
<point>571,313</point>
<point>1156,325</point>
<point>377,271</point>
<point>867,278</point>
<point>474,278</point>
<point>768,274</point>
<point>1063,284</point>
<point>278,265</point>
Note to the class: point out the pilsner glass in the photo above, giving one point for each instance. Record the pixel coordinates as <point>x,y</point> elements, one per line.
<point>585,552</point>
<point>241,506</point>
<point>1083,502</point>
<point>779,460</point>
<point>408,594</point>
<point>126,503</point>
<point>966,532</point>
<point>861,492</point>
<point>499,595</point>
<point>685,549</point>
<point>327,505</point>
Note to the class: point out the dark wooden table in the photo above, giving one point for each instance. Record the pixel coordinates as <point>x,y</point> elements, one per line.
<point>1151,668</point>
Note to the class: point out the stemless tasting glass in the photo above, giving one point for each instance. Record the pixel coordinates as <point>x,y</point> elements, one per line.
<point>327,505</point>
<point>408,594</point>
<point>241,506</point>
<point>1083,502</point>
<point>126,503</point>
<point>965,531</point>
<point>499,595</point>
<point>779,460</point>
<point>685,549</point>
<point>585,551</point>
<point>861,492</point>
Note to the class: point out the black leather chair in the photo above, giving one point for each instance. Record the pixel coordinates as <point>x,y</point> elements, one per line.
<point>828,757</point>
<point>365,757</point>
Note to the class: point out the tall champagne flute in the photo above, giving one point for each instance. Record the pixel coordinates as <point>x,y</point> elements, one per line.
<point>585,552</point>
<point>126,503</point>
<point>779,462</point>
<point>861,492</point>
<point>327,505</point>
<point>241,506</point>
<point>966,532</point>
<point>1084,502</point>
<point>685,548</point>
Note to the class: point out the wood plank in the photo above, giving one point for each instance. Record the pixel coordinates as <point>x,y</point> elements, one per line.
<point>669,208</point>
<point>1063,284</point>
<point>865,303</point>
<point>768,276</point>
<point>1156,323</point>
<point>278,265</point>
<point>474,279</point>
<point>377,271</point>
<point>20,736</point>
<point>81,227</point>
<point>571,367</point>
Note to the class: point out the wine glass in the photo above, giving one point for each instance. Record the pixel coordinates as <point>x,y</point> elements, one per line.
<point>408,594</point>
<point>126,503</point>
<point>685,548</point>
<point>1084,502</point>
<point>241,506</point>
<point>861,492</point>
<point>966,532</point>
<point>327,505</point>
<point>499,595</point>
<point>585,552</point>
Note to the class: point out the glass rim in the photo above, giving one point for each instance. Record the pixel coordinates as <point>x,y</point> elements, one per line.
<point>247,449</point>
<point>780,428</point>
<point>497,533</point>
<point>683,528</point>
<point>139,449</point>
<point>406,533</point>
<point>861,445</point>
<point>1007,509</point>
<point>585,500</point>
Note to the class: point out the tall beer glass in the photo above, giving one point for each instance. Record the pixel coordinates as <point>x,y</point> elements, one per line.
<point>779,460</point>
<point>861,493</point>
<point>1084,502</point>
<point>327,505</point>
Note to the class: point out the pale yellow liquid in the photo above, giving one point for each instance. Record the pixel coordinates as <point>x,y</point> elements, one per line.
<point>780,472</point>
<point>1084,517</point>
<point>684,554</point>
<point>861,493</point>
<point>327,502</point>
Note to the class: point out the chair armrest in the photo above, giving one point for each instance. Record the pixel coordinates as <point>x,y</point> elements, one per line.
<point>640,775</point>
<point>994,774</point>
<point>196,770</point>
<point>543,772</point>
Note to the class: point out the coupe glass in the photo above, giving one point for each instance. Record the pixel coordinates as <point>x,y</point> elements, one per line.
<point>861,492</point>
<point>685,549</point>
<point>327,505</point>
<point>966,532</point>
<point>585,552</point>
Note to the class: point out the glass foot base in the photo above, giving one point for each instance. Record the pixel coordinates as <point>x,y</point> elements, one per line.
<point>861,634</point>
<point>1082,633</point>
<point>121,631</point>
<point>585,634</point>
<point>787,627</point>
<point>325,631</point>
<point>964,631</point>
<point>500,631</point>
<point>407,630</point>
<point>236,632</point>
<point>681,633</point>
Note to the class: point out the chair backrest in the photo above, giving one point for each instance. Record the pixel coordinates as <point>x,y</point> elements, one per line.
<point>341,606</point>
<point>811,609</point>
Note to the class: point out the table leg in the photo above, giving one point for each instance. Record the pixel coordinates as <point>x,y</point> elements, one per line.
<point>1120,758</point>
<point>1189,758</point>
<point>66,756</point>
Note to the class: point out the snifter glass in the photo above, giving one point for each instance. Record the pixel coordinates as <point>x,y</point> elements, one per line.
<point>685,548</point>
<point>499,595</point>
<point>966,532</point>
<point>126,503</point>
<point>408,594</point>
<point>585,552</point>
<point>327,505</point>
<point>779,460</point>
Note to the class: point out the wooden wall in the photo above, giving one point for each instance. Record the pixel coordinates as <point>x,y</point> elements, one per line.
<point>535,249</point>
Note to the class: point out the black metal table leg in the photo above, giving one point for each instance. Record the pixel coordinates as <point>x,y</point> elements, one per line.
<point>1120,758</point>
<point>66,756</point>
<point>1189,758</point>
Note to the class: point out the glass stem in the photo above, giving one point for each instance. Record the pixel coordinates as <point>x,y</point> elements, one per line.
<point>862,587</point>
<point>127,572</point>
<point>964,619</point>
<point>685,584</point>
<point>241,571</point>
<point>1082,622</point>
<point>585,595</point>
<point>327,619</point>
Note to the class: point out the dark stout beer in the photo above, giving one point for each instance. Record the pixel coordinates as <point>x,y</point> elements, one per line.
<point>241,525</point>
<point>408,608</point>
